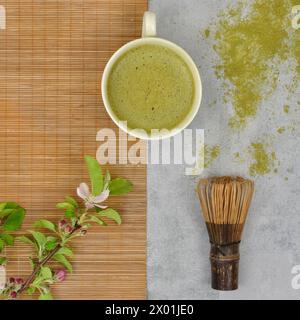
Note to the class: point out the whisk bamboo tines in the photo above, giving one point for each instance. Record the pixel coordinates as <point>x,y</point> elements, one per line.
<point>225,202</point>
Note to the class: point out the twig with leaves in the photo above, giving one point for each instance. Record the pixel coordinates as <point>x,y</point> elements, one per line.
<point>11,219</point>
<point>75,223</point>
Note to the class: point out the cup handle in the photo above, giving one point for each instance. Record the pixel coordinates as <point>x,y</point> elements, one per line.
<point>149,25</point>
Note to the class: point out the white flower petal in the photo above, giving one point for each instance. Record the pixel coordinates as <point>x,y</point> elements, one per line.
<point>101,207</point>
<point>102,197</point>
<point>83,190</point>
<point>79,193</point>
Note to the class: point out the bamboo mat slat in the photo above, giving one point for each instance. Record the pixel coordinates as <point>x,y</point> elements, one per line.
<point>52,55</point>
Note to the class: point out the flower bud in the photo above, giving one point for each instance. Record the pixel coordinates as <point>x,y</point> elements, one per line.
<point>60,275</point>
<point>68,229</point>
<point>13,294</point>
<point>19,281</point>
<point>62,223</point>
<point>12,280</point>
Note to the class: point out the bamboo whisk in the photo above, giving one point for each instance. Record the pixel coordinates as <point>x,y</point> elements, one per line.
<point>225,202</point>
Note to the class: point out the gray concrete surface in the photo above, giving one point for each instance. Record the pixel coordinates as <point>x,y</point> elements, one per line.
<point>178,265</point>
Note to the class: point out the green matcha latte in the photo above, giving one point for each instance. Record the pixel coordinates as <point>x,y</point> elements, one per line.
<point>151,87</point>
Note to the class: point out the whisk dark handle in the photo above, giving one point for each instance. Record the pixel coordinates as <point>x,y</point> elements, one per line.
<point>224,266</point>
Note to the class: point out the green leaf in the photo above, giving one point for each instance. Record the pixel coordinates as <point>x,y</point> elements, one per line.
<point>37,281</point>
<point>120,186</point>
<point>111,214</point>
<point>7,208</point>
<point>7,238</point>
<point>72,201</point>
<point>66,251</point>
<point>3,261</point>
<point>46,273</point>
<point>95,173</point>
<point>32,263</point>
<point>65,205</point>
<point>70,213</point>
<point>50,238</point>
<point>2,205</point>
<point>50,245</point>
<point>25,240</point>
<point>97,209</point>
<point>45,224</point>
<point>2,244</point>
<point>107,179</point>
<point>14,220</point>
<point>64,261</point>
<point>31,290</point>
<point>39,238</point>
<point>11,205</point>
<point>4,213</point>
<point>46,296</point>
<point>97,220</point>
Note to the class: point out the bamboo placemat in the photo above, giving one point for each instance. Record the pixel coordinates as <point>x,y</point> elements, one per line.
<point>52,55</point>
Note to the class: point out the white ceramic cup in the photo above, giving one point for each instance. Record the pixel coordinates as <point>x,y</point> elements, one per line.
<point>149,37</point>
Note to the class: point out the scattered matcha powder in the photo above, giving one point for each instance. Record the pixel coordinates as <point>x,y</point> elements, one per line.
<point>286,109</point>
<point>251,48</point>
<point>237,155</point>
<point>206,33</point>
<point>281,130</point>
<point>263,162</point>
<point>210,154</point>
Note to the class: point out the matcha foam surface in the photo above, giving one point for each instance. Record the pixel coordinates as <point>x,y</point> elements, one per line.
<point>151,87</point>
